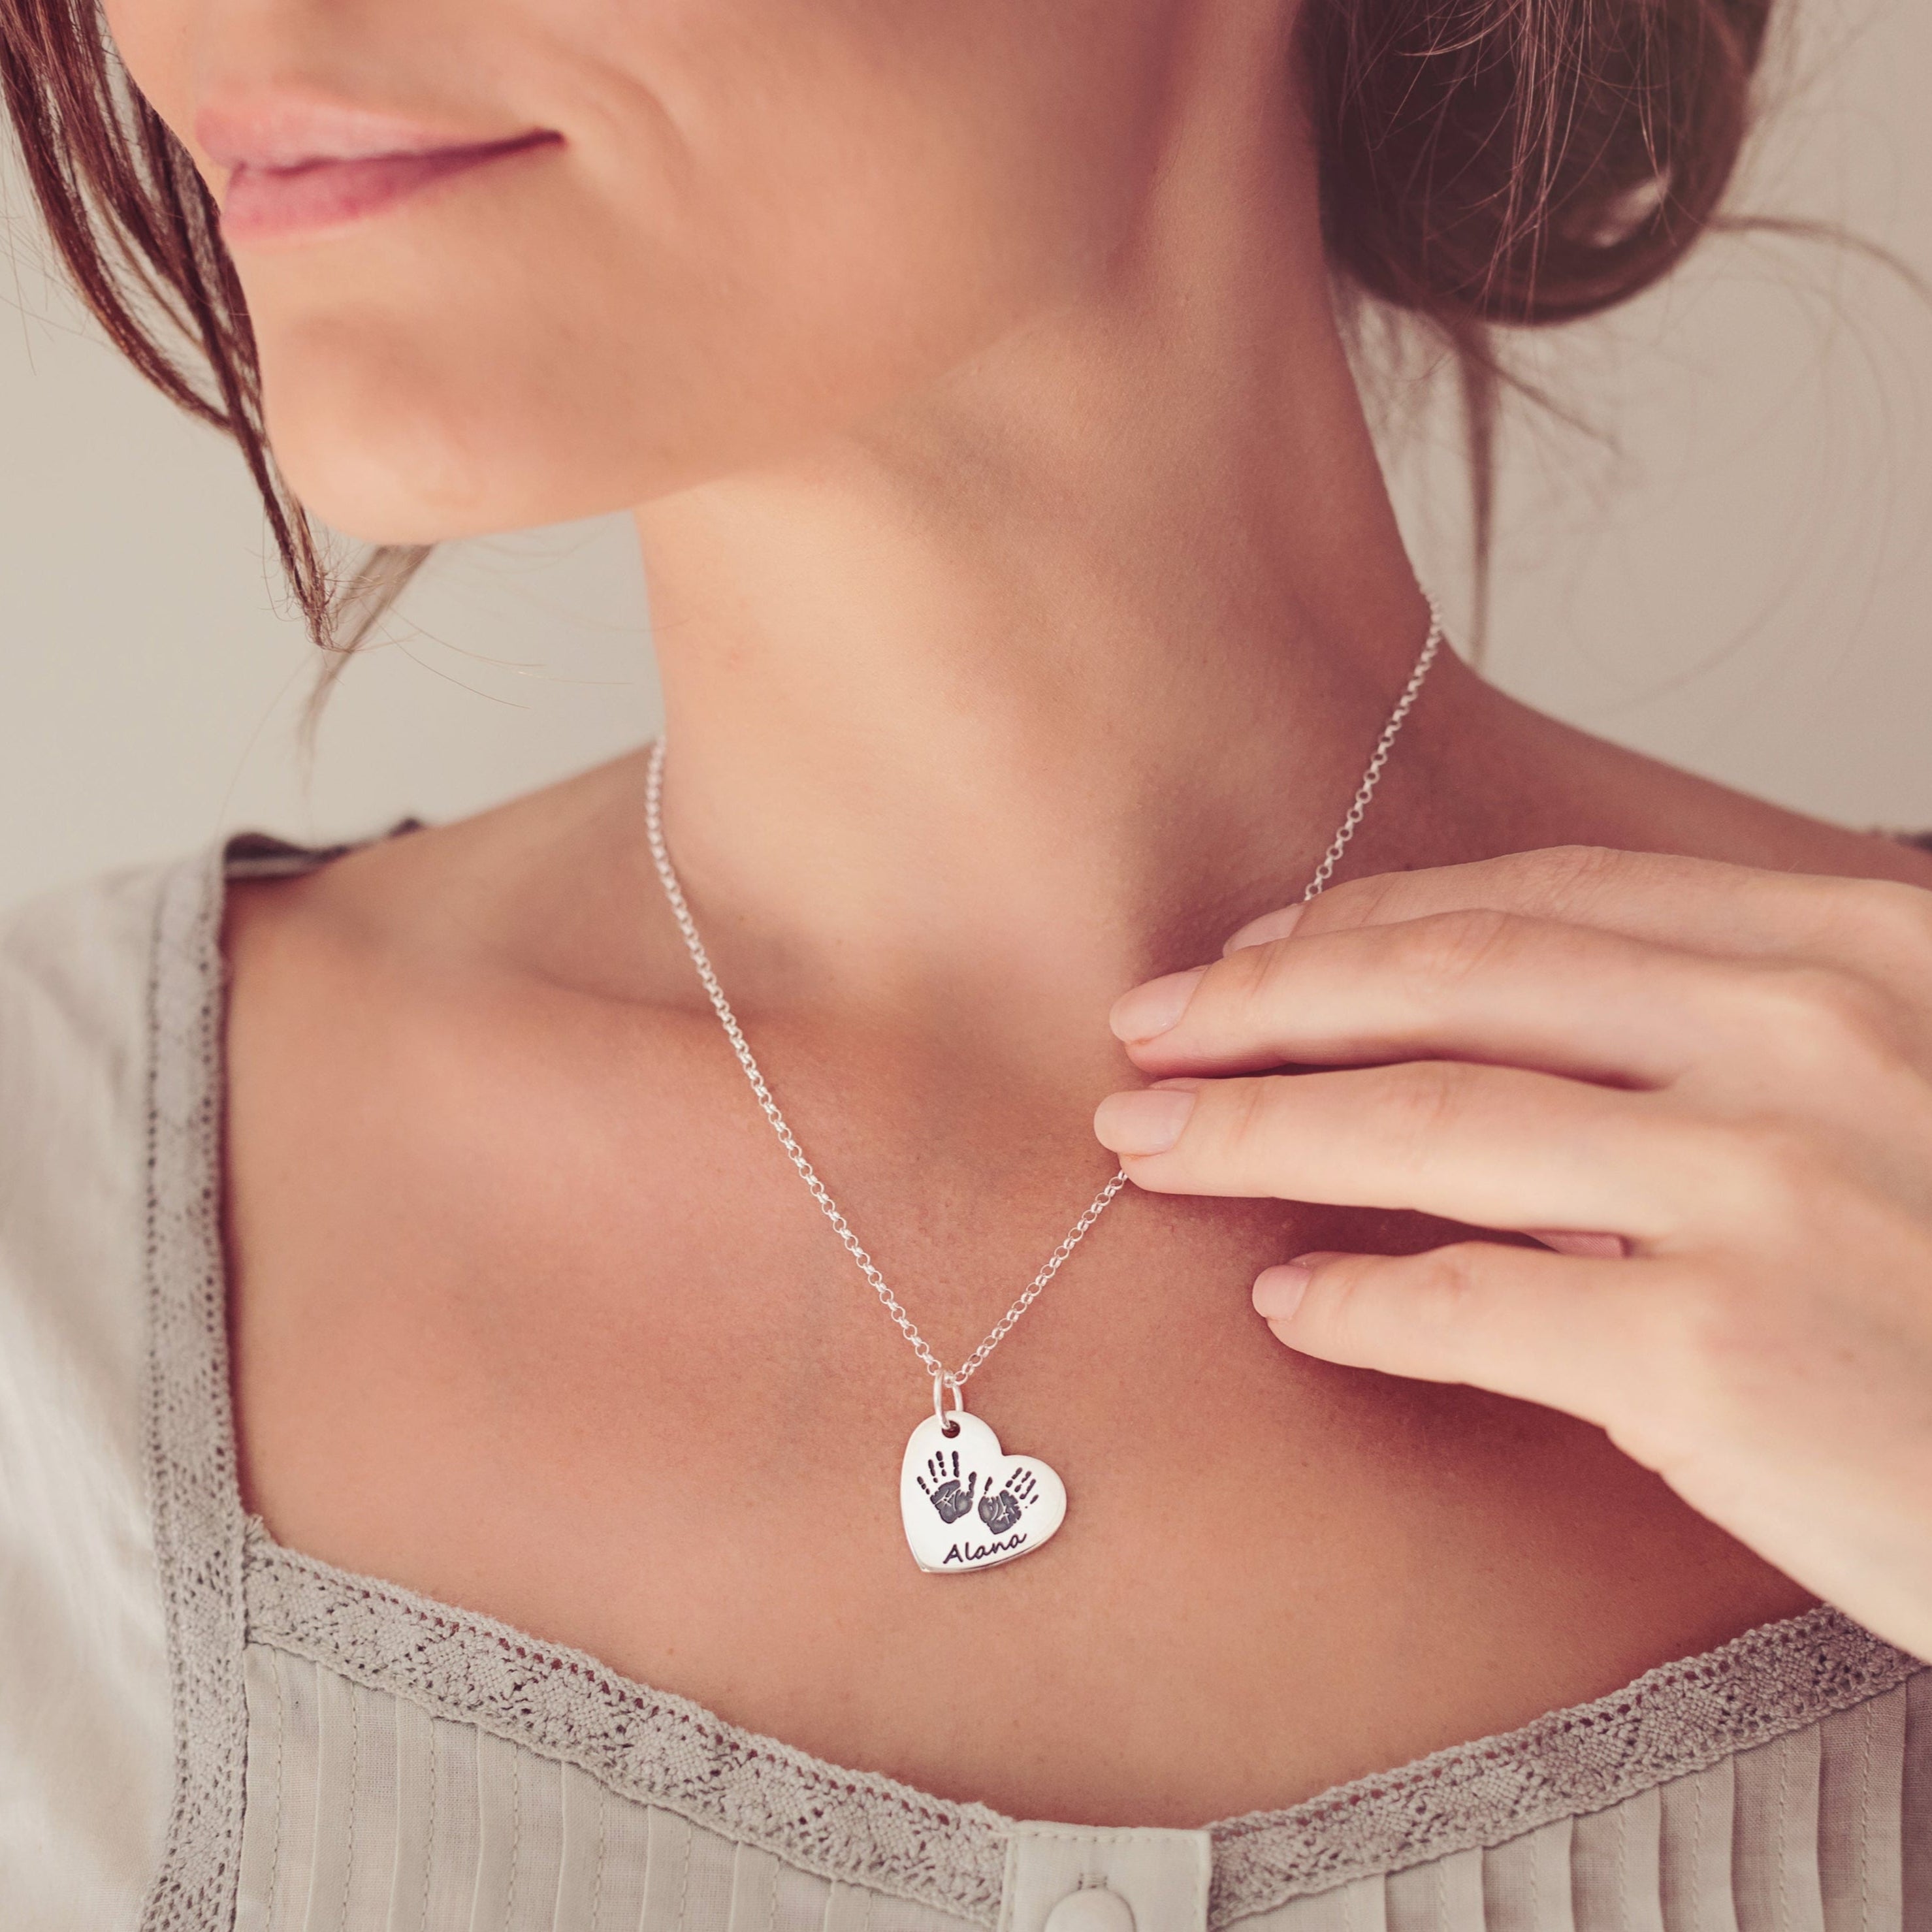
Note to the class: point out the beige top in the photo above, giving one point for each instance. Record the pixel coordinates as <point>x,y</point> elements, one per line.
<point>201,1729</point>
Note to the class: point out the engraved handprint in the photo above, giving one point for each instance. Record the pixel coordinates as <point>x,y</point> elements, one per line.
<point>1000,1513</point>
<point>946,1494</point>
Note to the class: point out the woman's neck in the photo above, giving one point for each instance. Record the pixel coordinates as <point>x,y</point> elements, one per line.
<point>1083,648</point>
<point>1087,648</point>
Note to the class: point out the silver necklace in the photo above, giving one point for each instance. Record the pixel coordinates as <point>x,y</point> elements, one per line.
<point>966,1504</point>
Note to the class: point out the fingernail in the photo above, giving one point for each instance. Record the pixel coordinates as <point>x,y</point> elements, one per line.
<point>1278,1291</point>
<point>1153,1006</point>
<point>1145,1120</point>
<point>1259,931</point>
<point>1589,1247</point>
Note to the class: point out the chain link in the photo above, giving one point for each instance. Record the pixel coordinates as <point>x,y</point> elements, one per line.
<point>1359,804</point>
<point>943,1377</point>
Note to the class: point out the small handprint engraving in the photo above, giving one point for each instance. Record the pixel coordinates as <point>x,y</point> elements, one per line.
<point>946,1494</point>
<point>1000,1513</point>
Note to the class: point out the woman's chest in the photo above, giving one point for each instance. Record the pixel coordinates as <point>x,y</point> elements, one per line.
<point>665,1425</point>
<point>618,1407</point>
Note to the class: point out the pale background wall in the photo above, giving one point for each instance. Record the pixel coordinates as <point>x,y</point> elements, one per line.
<point>1740,586</point>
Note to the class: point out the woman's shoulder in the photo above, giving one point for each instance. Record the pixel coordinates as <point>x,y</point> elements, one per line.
<point>76,974</point>
<point>1547,782</point>
<point>63,948</point>
<point>77,970</point>
<point>112,992</point>
<point>82,967</point>
<point>85,1733</point>
<point>109,986</point>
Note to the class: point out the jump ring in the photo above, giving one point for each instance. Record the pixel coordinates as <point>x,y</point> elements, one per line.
<point>940,1385</point>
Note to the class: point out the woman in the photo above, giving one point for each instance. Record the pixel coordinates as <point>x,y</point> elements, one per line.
<point>1518,1327</point>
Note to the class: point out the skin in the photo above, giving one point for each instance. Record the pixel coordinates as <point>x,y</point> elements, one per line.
<point>971,377</point>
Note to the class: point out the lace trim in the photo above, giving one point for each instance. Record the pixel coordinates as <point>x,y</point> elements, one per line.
<point>197,1501</point>
<point>652,1745</point>
<point>228,1581</point>
<point>1678,1718</point>
<point>192,1486</point>
<point>856,1826</point>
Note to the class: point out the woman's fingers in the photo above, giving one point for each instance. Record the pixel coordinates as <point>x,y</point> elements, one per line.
<point>1467,985</point>
<point>1491,1146</point>
<point>1874,926</point>
<point>1568,1333</point>
<point>1707,1087</point>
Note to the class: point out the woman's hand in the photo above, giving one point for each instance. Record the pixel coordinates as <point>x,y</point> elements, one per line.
<point>1709,1087</point>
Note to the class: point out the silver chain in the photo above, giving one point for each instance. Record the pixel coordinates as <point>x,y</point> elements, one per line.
<point>1379,757</point>
<point>956,1379</point>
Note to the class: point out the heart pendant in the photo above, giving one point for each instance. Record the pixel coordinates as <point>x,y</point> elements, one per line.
<point>967,1505</point>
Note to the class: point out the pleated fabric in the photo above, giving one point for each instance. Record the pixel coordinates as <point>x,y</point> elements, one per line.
<point>1826,1829</point>
<point>365,1813</point>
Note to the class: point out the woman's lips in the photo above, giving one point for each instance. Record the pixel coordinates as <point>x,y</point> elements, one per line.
<point>264,204</point>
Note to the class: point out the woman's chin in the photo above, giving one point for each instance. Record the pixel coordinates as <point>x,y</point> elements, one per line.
<point>377,487</point>
<point>383,450</point>
<point>383,468</point>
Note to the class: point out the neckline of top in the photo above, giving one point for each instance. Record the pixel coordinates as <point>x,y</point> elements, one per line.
<point>227,1581</point>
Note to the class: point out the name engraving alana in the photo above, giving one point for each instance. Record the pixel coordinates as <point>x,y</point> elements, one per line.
<point>977,1552</point>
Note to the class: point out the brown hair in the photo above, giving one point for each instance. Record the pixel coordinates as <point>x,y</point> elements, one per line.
<point>1483,163</point>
